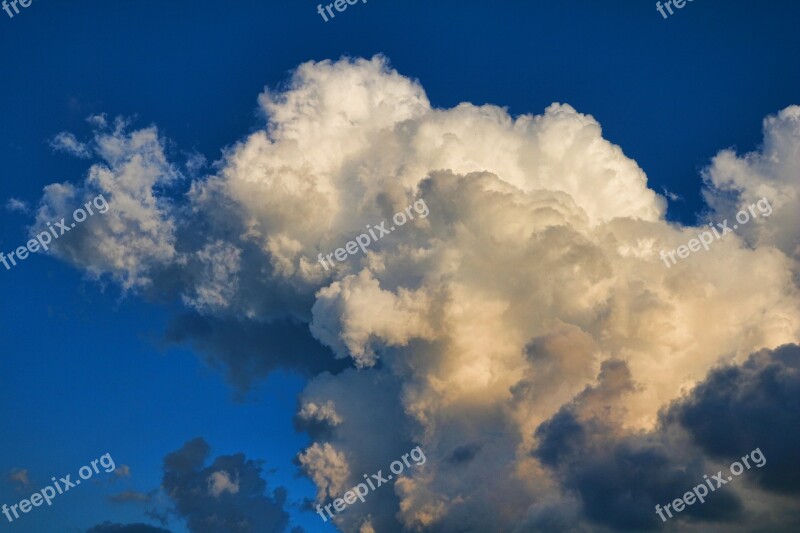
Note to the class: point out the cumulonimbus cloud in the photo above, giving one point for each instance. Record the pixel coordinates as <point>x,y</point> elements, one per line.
<point>533,291</point>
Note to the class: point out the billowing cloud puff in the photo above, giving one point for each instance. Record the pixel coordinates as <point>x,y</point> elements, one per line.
<point>137,231</point>
<point>327,467</point>
<point>349,313</point>
<point>528,317</point>
<point>735,182</point>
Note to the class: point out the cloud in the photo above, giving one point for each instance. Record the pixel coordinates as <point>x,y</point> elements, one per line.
<point>227,495</point>
<point>671,195</point>
<point>320,413</point>
<point>327,467</point>
<point>735,181</point>
<point>620,476</point>
<point>251,349</point>
<point>136,233</point>
<point>131,496</point>
<point>349,313</point>
<point>465,453</point>
<point>754,405</point>
<point>108,527</point>
<point>20,478</point>
<point>318,420</point>
<point>17,206</point>
<point>123,471</point>
<point>67,142</point>
<point>220,482</point>
<point>525,334</point>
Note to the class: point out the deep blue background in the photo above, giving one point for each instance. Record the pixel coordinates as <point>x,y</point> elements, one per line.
<point>81,371</point>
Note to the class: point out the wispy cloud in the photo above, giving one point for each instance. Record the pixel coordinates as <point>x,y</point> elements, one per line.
<point>69,144</point>
<point>17,206</point>
<point>19,478</point>
<point>131,496</point>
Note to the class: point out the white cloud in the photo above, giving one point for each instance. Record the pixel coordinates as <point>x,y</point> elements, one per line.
<point>348,313</point>
<point>733,182</point>
<point>320,413</point>
<point>137,232</point>
<point>67,142</point>
<point>220,482</point>
<point>327,467</point>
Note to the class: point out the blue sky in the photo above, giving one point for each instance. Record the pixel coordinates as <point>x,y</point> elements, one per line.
<point>85,368</point>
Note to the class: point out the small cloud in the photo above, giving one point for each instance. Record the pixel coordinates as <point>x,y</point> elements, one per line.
<point>123,471</point>
<point>195,163</point>
<point>321,413</point>
<point>219,482</point>
<point>130,496</point>
<point>98,121</point>
<point>68,143</point>
<point>18,206</point>
<point>671,195</point>
<point>108,527</point>
<point>20,476</point>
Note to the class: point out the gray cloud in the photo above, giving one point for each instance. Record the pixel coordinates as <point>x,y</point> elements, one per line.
<point>108,527</point>
<point>15,205</point>
<point>227,495</point>
<point>621,475</point>
<point>738,408</point>
<point>465,453</point>
<point>131,496</point>
<point>248,350</point>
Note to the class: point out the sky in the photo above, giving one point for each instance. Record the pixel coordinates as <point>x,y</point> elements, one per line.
<point>524,330</point>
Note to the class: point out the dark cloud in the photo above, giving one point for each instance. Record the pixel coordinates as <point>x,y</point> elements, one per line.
<point>229,495</point>
<point>560,437</point>
<point>131,496</point>
<point>249,350</point>
<point>621,477</point>
<point>108,527</point>
<point>756,405</point>
<point>464,453</point>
